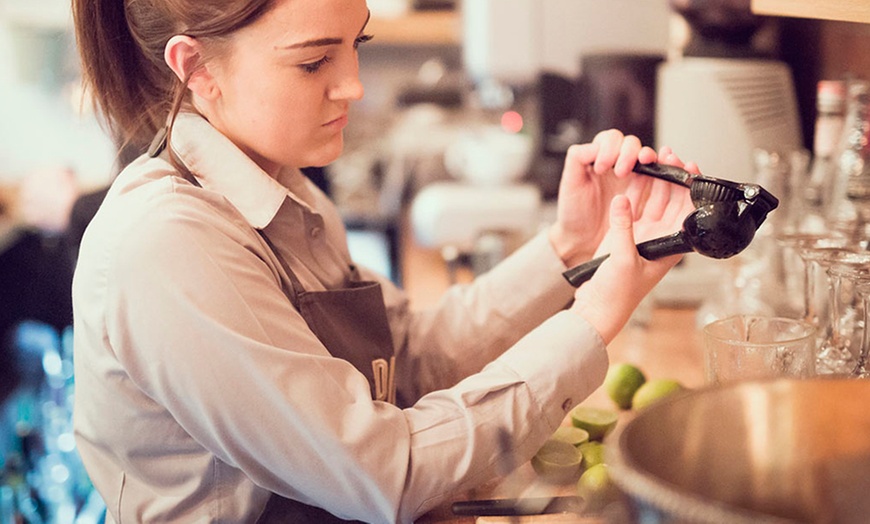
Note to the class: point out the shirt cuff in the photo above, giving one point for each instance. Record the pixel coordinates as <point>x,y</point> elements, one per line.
<point>563,361</point>
<point>541,275</point>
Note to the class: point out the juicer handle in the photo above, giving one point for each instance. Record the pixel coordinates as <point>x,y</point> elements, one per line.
<point>651,250</point>
<point>672,174</point>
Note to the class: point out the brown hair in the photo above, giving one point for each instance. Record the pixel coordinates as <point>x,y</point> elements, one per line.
<point>121,44</point>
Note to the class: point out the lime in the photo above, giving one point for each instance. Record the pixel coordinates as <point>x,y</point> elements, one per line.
<point>654,390</point>
<point>593,453</point>
<point>596,421</point>
<point>571,435</point>
<point>621,381</point>
<point>557,461</point>
<point>595,487</point>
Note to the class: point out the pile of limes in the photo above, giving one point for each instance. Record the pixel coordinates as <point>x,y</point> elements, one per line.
<point>576,452</point>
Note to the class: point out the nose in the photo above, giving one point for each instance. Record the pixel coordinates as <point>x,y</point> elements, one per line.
<point>347,85</point>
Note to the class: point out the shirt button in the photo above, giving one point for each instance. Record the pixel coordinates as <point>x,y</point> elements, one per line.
<point>314,232</point>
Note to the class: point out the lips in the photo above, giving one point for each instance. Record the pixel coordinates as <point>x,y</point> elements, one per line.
<point>339,122</point>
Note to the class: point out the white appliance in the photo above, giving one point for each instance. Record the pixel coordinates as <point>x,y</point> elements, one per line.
<point>485,211</point>
<point>716,112</point>
<point>457,215</point>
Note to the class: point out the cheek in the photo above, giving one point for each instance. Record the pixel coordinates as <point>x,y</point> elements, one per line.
<point>292,120</point>
<point>291,131</point>
<point>279,114</point>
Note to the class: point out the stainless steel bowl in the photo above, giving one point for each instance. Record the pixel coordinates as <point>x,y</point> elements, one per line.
<point>782,450</point>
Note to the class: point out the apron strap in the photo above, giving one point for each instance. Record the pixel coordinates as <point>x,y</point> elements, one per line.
<point>296,287</point>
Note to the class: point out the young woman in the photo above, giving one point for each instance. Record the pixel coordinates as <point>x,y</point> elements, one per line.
<point>233,365</point>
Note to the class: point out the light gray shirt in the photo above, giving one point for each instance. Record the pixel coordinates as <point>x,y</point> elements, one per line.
<point>200,390</point>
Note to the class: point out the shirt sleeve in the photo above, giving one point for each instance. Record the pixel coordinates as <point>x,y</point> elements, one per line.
<point>474,323</point>
<point>198,320</point>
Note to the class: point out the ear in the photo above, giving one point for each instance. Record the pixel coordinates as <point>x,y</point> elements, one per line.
<point>184,55</point>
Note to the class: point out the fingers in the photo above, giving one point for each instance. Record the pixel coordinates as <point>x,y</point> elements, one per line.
<point>638,191</point>
<point>692,167</point>
<point>628,154</point>
<point>646,155</point>
<point>658,200</point>
<point>612,150</point>
<point>579,160</point>
<point>680,205</point>
<point>679,194</point>
<point>583,153</point>
<point>667,156</point>
<point>609,143</point>
<point>619,152</point>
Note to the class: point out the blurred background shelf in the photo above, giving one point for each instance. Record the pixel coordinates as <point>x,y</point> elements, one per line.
<point>417,28</point>
<point>844,10</point>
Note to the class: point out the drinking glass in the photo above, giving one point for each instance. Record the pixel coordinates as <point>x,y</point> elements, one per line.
<point>751,347</point>
<point>863,290</point>
<point>796,274</point>
<point>841,350</point>
<point>815,252</point>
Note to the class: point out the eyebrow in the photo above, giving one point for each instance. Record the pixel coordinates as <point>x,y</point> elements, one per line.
<point>320,42</point>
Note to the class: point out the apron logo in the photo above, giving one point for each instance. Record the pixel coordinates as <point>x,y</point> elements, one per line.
<point>385,379</point>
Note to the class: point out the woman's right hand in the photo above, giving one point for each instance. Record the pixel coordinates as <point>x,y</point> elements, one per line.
<point>609,298</point>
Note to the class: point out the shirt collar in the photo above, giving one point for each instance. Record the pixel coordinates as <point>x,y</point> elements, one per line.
<point>219,165</point>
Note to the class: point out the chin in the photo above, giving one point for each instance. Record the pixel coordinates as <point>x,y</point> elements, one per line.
<point>326,154</point>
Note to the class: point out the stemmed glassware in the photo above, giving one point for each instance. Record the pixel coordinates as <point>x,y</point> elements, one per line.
<point>863,290</point>
<point>845,270</point>
<point>812,251</point>
<point>817,253</point>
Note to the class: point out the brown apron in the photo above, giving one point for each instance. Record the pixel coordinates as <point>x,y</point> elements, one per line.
<point>352,325</point>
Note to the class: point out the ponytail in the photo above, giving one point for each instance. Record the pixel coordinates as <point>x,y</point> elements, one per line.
<point>129,90</point>
<point>121,44</point>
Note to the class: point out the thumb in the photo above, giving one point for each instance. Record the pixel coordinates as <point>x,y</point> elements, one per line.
<point>621,230</point>
<point>608,299</point>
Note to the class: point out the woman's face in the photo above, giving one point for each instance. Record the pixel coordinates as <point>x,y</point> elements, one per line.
<point>287,81</point>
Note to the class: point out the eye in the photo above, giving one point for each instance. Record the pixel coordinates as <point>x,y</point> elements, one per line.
<point>313,67</point>
<point>361,39</point>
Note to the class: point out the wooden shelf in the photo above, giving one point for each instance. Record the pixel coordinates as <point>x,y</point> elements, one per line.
<point>417,28</point>
<point>845,10</point>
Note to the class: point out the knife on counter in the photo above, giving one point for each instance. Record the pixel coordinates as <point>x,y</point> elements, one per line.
<point>518,506</point>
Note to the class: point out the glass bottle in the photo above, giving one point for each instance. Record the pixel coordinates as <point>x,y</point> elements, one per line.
<point>849,209</point>
<point>766,261</point>
<point>830,119</point>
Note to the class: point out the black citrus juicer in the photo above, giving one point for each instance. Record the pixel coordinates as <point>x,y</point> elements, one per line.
<point>727,214</point>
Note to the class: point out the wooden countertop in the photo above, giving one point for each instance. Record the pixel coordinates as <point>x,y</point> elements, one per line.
<point>669,347</point>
